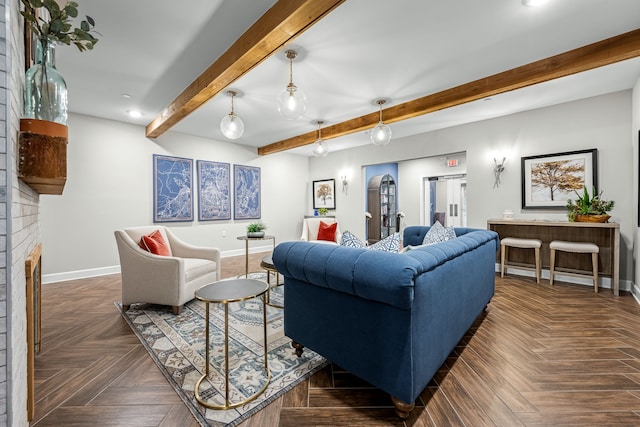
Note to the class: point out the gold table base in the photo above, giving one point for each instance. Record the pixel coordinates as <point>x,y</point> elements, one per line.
<point>225,300</point>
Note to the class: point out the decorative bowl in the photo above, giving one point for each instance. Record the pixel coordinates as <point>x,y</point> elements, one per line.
<point>593,218</point>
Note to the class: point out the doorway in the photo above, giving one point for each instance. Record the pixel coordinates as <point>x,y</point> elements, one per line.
<point>446,200</point>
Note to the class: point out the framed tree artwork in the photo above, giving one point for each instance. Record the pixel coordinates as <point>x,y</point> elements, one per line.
<point>549,180</point>
<point>324,194</point>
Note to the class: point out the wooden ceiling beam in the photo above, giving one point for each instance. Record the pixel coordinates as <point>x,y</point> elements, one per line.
<point>284,21</point>
<point>615,49</point>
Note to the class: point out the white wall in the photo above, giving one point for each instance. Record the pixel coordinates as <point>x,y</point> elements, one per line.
<point>109,186</point>
<point>635,131</point>
<point>109,183</point>
<point>602,122</point>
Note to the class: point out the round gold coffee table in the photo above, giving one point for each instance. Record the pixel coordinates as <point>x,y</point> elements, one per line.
<point>225,292</point>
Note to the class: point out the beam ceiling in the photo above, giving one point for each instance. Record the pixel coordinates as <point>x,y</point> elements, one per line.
<point>278,26</point>
<point>605,52</point>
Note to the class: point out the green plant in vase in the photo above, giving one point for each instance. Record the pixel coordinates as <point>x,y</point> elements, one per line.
<point>45,95</point>
<point>590,208</point>
<point>256,229</point>
<point>323,211</point>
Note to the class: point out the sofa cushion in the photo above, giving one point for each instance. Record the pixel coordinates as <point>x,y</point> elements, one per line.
<point>438,233</point>
<point>351,241</point>
<point>155,243</point>
<point>327,231</point>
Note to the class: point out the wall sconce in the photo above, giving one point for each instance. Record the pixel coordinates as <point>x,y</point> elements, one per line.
<point>345,184</point>
<point>497,170</point>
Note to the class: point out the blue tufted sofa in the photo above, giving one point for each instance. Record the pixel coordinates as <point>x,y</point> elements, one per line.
<point>389,318</point>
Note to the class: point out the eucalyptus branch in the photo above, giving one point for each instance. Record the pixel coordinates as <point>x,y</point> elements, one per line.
<point>57,27</point>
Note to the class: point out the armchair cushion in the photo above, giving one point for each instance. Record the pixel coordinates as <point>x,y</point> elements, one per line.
<point>194,268</point>
<point>155,243</point>
<point>327,231</point>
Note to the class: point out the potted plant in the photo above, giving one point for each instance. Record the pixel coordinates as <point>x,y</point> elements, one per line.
<point>45,96</point>
<point>323,211</point>
<point>256,229</point>
<point>589,208</point>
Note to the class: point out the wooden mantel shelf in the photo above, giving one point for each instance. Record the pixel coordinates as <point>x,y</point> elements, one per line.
<point>42,162</point>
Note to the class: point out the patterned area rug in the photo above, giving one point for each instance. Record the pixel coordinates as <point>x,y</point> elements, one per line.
<point>177,345</point>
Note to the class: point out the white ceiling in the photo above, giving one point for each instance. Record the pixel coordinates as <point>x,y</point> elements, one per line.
<point>363,50</point>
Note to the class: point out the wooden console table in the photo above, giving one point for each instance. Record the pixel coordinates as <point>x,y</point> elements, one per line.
<point>606,236</point>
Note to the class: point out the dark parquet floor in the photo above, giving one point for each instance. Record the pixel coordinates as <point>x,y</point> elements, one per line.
<point>539,356</point>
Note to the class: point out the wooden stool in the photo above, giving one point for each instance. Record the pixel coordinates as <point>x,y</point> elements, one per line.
<point>575,247</point>
<point>520,243</point>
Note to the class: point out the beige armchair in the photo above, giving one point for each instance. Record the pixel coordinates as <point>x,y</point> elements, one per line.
<point>166,280</point>
<point>310,228</point>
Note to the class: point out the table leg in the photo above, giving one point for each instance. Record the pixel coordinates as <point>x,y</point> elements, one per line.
<point>207,342</point>
<point>246,258</point>
<point>226,354</point>
<point>264,326</point>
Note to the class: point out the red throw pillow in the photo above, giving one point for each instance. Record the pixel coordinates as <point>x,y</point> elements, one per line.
<point>155,244</point>
<point>327,232</point>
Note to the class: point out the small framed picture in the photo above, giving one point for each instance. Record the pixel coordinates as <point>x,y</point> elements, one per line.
<point>324,194</point>
<point>549,180</point>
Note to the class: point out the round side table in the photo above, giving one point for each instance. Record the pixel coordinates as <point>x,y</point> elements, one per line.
<point>224,292</point>
<point>247,239</point>
<point>267,264</point>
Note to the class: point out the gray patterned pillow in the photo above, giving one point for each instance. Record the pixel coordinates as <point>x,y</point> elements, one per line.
<point>351,241</point>
<point>389,244</point>
<point>437,233</point>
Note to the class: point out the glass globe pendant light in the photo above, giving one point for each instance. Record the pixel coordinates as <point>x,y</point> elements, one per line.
<point>320,148</point>
<point>381,134</point>
<point>292,102</point>
<point>231,125</point>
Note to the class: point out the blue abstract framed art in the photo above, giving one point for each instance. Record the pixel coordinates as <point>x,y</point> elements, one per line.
<point>214,190</point>
<point>172,189</point>
<point>246,182</point>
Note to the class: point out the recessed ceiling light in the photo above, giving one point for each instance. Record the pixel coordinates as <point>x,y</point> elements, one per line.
<point>126,95</point>
<point>134,113</point>
<point>533,3</point>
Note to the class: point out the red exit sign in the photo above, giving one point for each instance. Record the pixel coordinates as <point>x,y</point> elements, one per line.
<point>452,163</point>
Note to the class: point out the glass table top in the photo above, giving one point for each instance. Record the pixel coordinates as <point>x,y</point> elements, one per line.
<point>231,290</point>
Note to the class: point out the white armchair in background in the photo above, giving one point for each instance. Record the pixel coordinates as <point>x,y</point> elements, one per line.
<point>310,227</point>
<point>165,280</point>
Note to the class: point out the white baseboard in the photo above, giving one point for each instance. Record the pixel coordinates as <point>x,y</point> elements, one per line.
<point>115,269</point>
<point>635,291</point>
<point>79,274</point>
